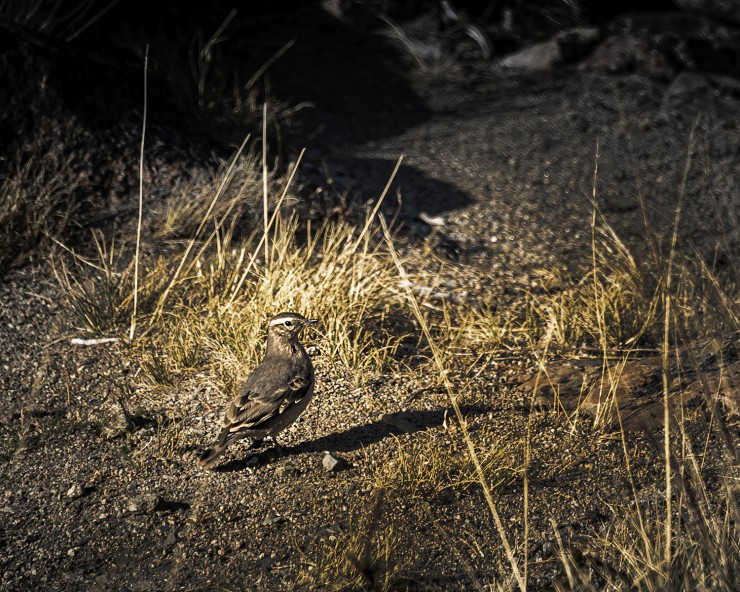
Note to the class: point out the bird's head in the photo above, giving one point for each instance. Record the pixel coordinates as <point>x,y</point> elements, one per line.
<point>287,325</point>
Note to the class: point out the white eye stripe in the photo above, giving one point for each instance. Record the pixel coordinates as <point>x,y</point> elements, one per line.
<point>282,321</point>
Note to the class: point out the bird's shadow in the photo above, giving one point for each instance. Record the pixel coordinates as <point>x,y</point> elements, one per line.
<point>401,422</point>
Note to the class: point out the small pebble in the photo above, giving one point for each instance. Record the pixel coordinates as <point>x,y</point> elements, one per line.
<point>75,491</point>
<point>331,463</point>
<point>273,518</point>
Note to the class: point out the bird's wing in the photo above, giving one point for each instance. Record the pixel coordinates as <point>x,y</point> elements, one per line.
<point>250,408</point>
<point>246,412</point>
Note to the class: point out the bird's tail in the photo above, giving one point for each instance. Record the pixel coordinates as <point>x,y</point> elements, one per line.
<point>210,455</point>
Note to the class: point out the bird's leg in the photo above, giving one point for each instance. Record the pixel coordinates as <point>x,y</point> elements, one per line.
<point>276,445</point>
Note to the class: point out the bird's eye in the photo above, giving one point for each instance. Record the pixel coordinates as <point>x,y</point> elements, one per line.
<point>288,323</point>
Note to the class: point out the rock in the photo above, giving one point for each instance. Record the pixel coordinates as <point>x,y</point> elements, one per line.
<point>143,504</point>
<point>171,539</point>
<point>627,53</point>
<point>566,46</point>
<point>711,95</point>
<point>75,491</point>
<point>582,385</point>
<point>273,518</point>
<point>287,471</point>
<point>542,56</point>
<point>724,9</point>
<point>398,424</point>
<point>332,464</point>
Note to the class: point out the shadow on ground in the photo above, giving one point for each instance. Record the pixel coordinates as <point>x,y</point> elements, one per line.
<point>401,422</point>
<point>413,190</point>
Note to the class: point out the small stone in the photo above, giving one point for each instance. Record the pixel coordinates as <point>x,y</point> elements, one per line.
<point>431,220</point>
<point>171,539</point>
<point>142,504</point>
<point>332,464</point>
<point>75,491</point>
<point>72,552</point>
<point>273,518</point>
<point>286,471</point>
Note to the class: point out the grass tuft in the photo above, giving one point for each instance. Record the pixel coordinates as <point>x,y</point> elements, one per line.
<point>97,291</point>
<point>34,203</point>
<point>631,556</point>
<point>429,463</point>
<point>362,557</point>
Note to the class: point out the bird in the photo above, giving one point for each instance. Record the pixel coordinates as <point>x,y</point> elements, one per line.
<point>275,394</point>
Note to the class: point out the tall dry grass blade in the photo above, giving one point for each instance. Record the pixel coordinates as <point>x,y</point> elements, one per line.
<point>262,240</point>
<point>652,243</point>
<point>264,180</point>
<point>191,242</point>
<point>270,61</point>
<point>597,296</point>
<point>91,21</point>
<point>665,352</point>
<point>528,445</point>
<point>132,327</point>
<point>438,359</point>
<point>371,217</point>
<point>666,420</point>
<point>205,56</point>
<point>711,398</point>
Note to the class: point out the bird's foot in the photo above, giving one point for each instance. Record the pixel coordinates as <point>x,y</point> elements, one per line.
<point>278,448</point>
<point>275,446</point>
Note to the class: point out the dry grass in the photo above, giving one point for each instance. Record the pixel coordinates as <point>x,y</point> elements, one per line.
<point>214,317</point>
<point>362,557</point>
<point>207,306</point>
<point>631,554</point>
<point>428,463</point>
<point>187,208</point>
<point>98,290</point>
<point>34,203</point>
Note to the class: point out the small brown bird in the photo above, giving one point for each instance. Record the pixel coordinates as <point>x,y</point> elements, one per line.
<point>274,395</point>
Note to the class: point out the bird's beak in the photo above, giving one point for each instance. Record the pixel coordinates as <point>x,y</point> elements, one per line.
<point>310,322</point>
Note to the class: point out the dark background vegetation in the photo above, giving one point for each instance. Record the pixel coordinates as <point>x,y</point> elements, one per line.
<point>71,86</point>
